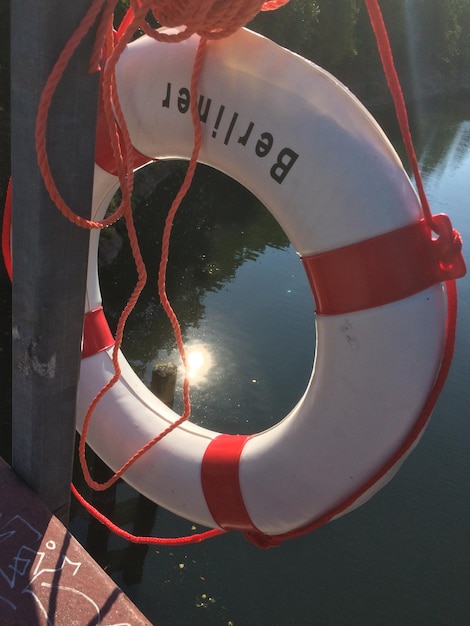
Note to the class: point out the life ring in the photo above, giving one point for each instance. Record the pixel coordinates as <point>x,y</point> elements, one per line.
<point>301,142</point>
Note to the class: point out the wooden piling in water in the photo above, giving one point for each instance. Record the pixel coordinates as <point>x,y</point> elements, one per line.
<point>163,382</point>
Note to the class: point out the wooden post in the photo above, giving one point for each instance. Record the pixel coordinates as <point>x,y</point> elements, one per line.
<point>163,381</point>
<point>49,253</point>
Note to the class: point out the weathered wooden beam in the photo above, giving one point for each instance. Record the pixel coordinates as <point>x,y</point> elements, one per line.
<point>49,253</point>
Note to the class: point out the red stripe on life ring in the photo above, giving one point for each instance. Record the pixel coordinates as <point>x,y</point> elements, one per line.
<point>96,333</point>
<point>219,475</point>
<point>104,156</point>
<point>221,487</point>
<point>376,271</point>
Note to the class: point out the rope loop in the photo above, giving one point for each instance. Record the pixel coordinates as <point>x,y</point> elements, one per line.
<point>447,247</point>
<point>211,19</point>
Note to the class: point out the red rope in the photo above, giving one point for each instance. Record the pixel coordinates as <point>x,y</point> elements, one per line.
<point>450,242</point>
<point>169,223</point>
<point>6,233</point>
<point>211,19</point>
<point>450,245</point>
<point>162,293</point>
<point>146,540</point>
<point>386,56</point>
<point>220,24</point>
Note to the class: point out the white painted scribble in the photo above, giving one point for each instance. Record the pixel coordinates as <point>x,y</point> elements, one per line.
<point>20,566</point>
<point>26,569</point>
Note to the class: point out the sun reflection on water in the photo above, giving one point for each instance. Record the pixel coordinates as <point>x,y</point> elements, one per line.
<point>199,362</point>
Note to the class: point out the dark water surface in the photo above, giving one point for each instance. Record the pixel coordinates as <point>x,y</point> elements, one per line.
<point>244,303</point>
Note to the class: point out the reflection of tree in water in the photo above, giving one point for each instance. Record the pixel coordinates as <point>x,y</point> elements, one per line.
<point>446,137</point>
<point>440,130</point>
<point>218,227</point>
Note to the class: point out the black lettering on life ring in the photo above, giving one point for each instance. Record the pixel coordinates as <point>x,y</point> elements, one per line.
<point>286,157</point>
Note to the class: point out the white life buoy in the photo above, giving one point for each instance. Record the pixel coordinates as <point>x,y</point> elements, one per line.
<point>299,141</point>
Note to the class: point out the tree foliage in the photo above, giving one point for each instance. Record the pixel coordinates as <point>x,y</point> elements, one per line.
<point>431,34</point>
<point>291,26</point>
